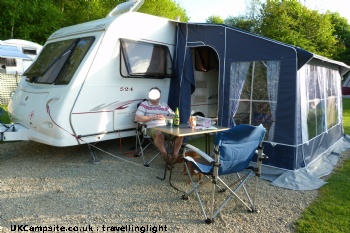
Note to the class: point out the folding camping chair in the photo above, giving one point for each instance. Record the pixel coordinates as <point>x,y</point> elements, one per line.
<point>233,152</point>
<point>143,141</point>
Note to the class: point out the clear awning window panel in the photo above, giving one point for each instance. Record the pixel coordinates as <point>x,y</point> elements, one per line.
<point>253,94</point>
<point>320,101</point>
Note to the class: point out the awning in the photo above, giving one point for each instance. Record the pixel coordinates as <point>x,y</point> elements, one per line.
<point>8,51</point>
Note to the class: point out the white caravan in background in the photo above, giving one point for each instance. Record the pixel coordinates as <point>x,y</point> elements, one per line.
<point>15,65</point>
<point>89,78</point>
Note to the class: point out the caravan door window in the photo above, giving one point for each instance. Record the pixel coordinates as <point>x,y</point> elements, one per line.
<point>144,59</point>
<point>206,59</point>
<point>58,61</point>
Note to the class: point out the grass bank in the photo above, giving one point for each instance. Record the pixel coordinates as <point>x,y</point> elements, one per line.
<point>4,118</point>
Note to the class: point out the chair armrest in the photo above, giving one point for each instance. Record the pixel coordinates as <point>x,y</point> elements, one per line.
<point>201,153</point>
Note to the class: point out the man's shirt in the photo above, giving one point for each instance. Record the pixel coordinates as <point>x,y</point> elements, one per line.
<point>148,109</point>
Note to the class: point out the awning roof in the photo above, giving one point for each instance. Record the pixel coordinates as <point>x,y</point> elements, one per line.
<point>343,68</point>
<point>8,51</point>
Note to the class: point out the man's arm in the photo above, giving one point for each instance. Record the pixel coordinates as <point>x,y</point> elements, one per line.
<point>144,119</point>
<point>140,118</point>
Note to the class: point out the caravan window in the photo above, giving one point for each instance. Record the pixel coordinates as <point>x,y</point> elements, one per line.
<point>11,62</point>
<point>143,59</point>
<point>58,61</point>
<point>29,51</point>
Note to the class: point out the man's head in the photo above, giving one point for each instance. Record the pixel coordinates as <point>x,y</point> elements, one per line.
<point>154,94</point>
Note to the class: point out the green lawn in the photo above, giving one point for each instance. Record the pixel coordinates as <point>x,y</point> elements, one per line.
<point>346,116</point>
<point>5,118</point>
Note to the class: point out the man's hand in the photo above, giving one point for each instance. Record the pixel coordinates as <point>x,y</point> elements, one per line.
<point>159,117</point>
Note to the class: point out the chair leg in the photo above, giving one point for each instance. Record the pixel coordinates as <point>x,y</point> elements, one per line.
<point>260,158</point>
<point>139,143</point>
<point>170,182</point>
<point>211,219</point>
<point>151,160</point>
<point>142,149</point>
<point>136,143</point>
<point>234,194</point>
<point>252,208</point>
<point>195,187</point>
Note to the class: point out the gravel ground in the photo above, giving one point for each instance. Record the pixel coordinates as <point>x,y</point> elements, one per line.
<point>56,187</point>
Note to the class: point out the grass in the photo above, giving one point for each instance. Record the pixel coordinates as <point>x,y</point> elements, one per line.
<point>330,212</point>
<point>346,116</point>
<point>5,118</point>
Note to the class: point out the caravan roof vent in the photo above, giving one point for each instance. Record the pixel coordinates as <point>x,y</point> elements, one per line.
<point>131,5</point>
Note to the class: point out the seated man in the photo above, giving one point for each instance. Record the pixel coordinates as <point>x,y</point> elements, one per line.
<point>153,113</point>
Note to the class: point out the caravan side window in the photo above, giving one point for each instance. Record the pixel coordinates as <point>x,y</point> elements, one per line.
<point>29,51</point>
<point>143,59</point>
<point>58,61</point>
<point>11,62</point>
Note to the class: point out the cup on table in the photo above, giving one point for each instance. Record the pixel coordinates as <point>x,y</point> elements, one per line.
<point>169,122</point>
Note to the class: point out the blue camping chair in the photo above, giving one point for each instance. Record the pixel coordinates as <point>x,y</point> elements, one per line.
<point>233,153</point>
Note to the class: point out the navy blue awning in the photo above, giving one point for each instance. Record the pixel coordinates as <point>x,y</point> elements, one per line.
<point>285,149</point>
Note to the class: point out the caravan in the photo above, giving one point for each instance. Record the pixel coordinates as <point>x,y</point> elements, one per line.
<point>17,55</point>
<point>89,78</point>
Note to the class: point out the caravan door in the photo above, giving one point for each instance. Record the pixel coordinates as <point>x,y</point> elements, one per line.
<point>204,100</point>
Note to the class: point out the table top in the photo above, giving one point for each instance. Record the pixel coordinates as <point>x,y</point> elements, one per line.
<point>183,130</point>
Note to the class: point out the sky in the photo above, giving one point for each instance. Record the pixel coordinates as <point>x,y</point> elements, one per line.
<point>200,10</point>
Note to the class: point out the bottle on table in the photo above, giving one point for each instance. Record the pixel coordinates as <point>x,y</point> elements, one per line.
<point>177,118</point>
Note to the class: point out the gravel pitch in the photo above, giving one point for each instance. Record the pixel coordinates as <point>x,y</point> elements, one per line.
<point>59,189</point>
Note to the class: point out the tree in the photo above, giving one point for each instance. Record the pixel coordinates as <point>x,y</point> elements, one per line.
<point>215,19</point>
<point>28,20</point>
<point>164,8</point>
<point>249,21</point>
<point>342,35</point>
<point>35,20</point>
<point>292,23</point>
<point>242,22</point>
<point>80,11</point>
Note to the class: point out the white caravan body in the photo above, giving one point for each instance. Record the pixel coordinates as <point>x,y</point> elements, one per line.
<point>88,80</point>
<point>98,103</point>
